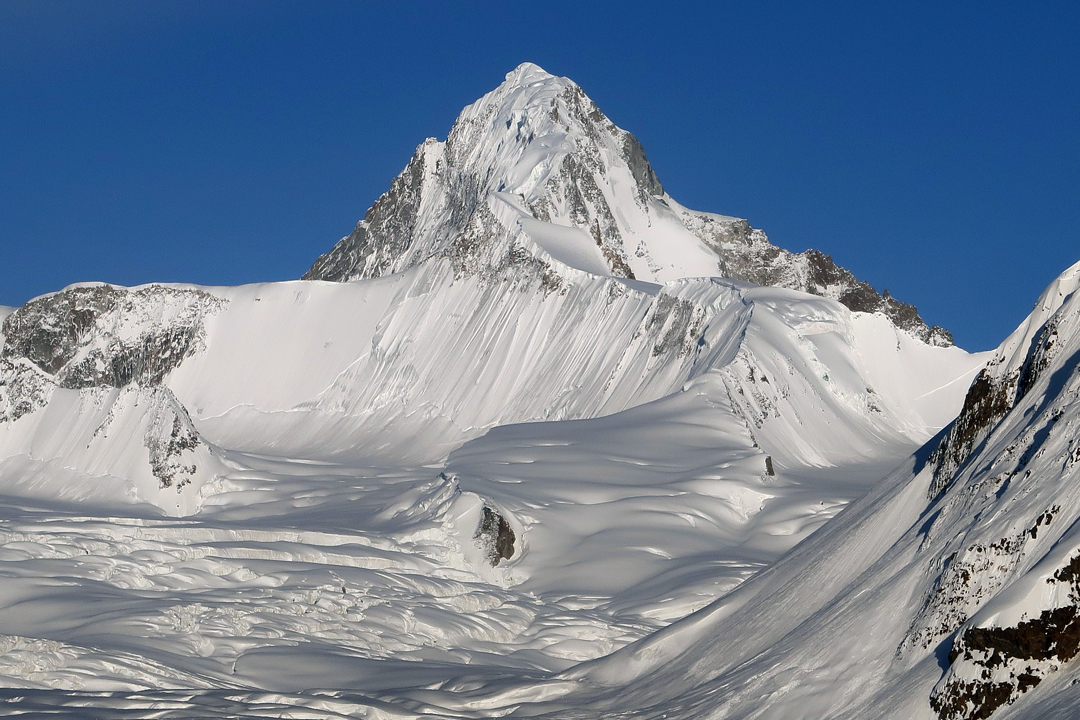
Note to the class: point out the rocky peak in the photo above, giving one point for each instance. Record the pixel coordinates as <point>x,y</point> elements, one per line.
<point>537,148</point>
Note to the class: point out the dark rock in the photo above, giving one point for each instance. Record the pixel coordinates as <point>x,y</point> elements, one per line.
<point>496,536</point>
<point>1026,651</point>
<point>49,331</point>
<point>1055,634</point>
<point>71,336</point>
<point>644,175</point>
<point>166,455</point>
<point>746,254</point>
<point>981,697</point>
<point>988,400</point>
<point>1038,358</point>
<point>861,297</point>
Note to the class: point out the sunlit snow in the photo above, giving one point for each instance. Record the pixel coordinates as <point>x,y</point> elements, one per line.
<point>290,499</point>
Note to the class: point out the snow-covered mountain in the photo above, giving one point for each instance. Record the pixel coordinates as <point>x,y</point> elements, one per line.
<point>534,172</point>
<point>534,439</point>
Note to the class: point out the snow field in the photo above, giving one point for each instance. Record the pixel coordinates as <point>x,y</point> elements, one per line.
<point>287,522</point>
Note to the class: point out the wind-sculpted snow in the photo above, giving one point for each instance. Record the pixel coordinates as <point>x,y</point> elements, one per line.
<point>538,150</point>
<point>534,458</point>
<point>651,481</point>
<point>404,369</point>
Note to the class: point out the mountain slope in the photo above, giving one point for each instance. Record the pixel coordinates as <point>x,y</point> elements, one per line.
<point>922,599</point>
<point>535,153</point>
<point>442,486</point>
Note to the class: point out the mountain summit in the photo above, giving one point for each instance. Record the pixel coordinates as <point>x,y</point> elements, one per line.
<point>534,178</point>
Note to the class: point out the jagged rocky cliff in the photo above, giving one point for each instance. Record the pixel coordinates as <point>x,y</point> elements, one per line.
<point>82,377</point>
<point>538,150</point>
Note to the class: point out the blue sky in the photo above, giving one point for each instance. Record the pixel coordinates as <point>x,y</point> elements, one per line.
<point>931,148</point>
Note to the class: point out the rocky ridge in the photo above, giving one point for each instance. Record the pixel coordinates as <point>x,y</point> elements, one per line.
<point>113,348</point>
<point>538,148</point>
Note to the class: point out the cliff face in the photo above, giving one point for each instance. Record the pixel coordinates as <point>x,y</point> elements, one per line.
<point>537,148</point>
<point>82,385</point>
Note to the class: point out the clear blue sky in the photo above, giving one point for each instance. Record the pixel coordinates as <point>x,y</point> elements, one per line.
<point>931,148</point>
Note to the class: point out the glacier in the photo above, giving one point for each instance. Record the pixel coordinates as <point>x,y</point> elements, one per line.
<point>533,439</point>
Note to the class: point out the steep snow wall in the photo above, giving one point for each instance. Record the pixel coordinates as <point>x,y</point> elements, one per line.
<point>403,369</point>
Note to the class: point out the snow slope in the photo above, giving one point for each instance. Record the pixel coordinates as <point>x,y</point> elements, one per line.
<point>343,528</point>
<point>534,428</point>
<point>958,601</point>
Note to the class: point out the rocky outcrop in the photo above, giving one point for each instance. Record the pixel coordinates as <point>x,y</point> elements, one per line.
<point>997,389</point>
<point>993,666</point>
<point>989,399</point>
<point>112,348</point>
<point>746,254</point>
<point>495,536</point>
<point>383,235</point>
<point>105,336</point>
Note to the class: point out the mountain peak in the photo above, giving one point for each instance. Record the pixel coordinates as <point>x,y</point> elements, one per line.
<point>527,73</point>
<point>536,157</point>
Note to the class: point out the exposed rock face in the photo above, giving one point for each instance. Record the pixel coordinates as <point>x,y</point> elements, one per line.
<point>384,234</point>
<point>107,337</point>
<point>1003,663</point>
<point>495,536</point>
<point>746,254</point>
<point>168,443</point>
<point>988,400</point>
<point>1021,361</point>
<point>968,578</point>
<point>1010,460</point>
<point>23,389</point>
<point>538,147</point>
<point>93,339</point>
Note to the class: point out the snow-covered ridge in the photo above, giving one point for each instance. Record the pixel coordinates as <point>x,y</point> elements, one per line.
<point>440,488</point>
<point>961,607</point>
<point>537,151</point>
<point>403,369</point>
